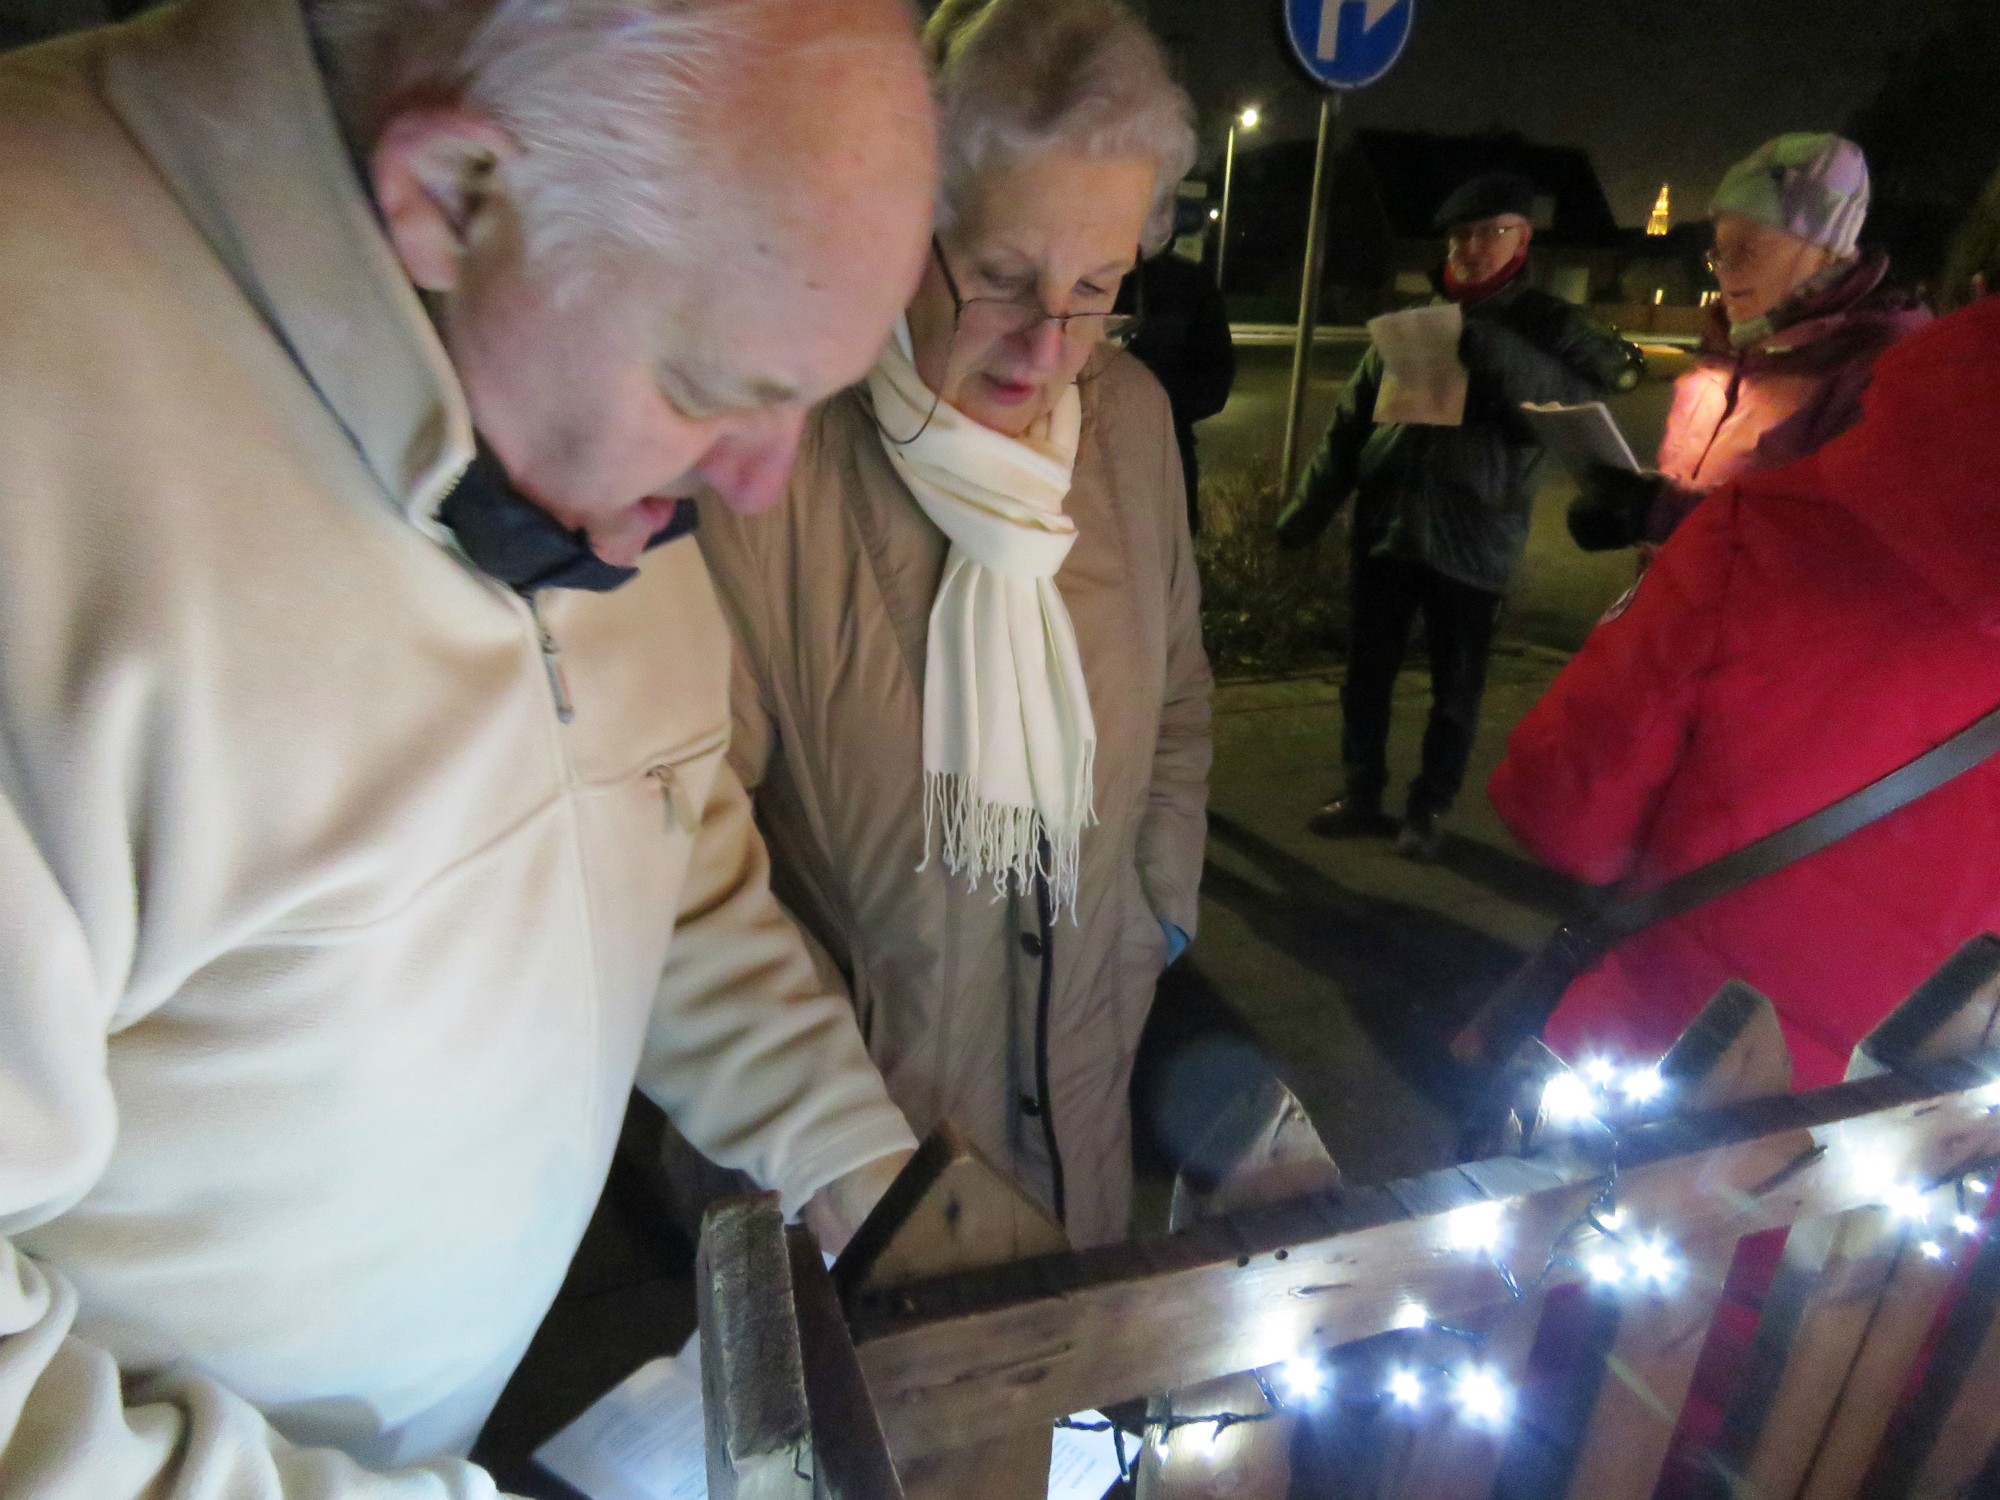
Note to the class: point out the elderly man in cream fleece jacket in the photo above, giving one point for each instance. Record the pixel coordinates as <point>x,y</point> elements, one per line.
<point>365,832</point>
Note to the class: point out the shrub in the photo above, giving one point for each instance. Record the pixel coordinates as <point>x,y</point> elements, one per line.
<point>1265,612</point>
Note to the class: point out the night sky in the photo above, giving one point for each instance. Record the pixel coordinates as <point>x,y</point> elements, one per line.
<point>1656,90</point>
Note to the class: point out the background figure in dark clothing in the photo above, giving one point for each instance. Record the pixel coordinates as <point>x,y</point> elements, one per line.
<point>1184,341</point>
<point>1441,513</point>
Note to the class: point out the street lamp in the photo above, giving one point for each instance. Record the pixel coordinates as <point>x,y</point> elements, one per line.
<point>1247,120</point>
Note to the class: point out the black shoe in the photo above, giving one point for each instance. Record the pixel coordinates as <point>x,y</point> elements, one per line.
<point>1352,818</point>
<point>1422,838</point>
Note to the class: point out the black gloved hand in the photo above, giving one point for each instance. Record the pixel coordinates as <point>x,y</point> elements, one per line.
<point>1611,512</point>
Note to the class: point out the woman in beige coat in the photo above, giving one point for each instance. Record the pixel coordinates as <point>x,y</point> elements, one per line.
<point>973,702</point>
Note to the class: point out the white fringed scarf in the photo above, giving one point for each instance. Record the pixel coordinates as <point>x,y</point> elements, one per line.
<point>1009,741</point>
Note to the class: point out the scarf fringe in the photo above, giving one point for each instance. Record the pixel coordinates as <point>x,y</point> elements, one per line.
<point>1012,844</point>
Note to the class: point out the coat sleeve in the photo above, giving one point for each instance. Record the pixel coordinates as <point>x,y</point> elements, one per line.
<point>1587,766</point>
<point>71,1423</point>
<point>1173,837</point>
<point>1326,484</point>
<point>758,1063</point>
<point>1508,369</point>
<point>1208,362</point>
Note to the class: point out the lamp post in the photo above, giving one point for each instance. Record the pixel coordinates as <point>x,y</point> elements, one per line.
<point>1247,120</point>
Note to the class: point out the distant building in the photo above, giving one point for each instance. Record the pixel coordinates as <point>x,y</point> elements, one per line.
<point>1387,187</point>
<point>1662,218</point>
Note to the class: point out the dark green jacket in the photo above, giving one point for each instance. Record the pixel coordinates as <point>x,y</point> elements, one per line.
<point>1457,498</point>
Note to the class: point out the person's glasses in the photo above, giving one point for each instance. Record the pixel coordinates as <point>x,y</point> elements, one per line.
<point>1741,258</point>
<point>993,318</point>
<point>1010,317</point>
<point>1481,235</point>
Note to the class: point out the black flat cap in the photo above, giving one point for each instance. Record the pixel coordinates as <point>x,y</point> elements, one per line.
<point>1487,196</point>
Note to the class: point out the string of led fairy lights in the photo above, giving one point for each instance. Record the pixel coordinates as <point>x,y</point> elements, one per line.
<point>1603,1245</point>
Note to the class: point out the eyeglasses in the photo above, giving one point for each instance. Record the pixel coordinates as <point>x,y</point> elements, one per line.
<point>992,318</point>
<point>1009,317</point>
<point>1480,234</point>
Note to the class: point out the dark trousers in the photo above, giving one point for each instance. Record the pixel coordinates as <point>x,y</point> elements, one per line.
<point>1458,629</point>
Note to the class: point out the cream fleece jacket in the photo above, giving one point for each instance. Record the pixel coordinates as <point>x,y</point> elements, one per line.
<point>328,955</point>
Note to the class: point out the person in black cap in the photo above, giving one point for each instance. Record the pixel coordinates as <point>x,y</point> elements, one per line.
<point>1441,513</point>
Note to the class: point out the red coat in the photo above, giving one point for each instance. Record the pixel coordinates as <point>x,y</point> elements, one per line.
<point>1806,631</point>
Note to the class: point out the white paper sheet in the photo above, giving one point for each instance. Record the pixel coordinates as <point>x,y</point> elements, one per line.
<point>1423,379</point>
<point>1580,436</point>
<point>644,1441</point>
<point>1083,1465</point>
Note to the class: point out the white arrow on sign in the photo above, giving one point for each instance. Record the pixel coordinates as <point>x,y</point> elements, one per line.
<point>1329,23</point>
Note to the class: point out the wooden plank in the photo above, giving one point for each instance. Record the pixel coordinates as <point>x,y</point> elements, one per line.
<point>1263,1150</point>
<point>1947,1436</point>
<point>1915,1290</point>
<point>980,1354</point>
<point>1733,1052</point>
<point>1851,1299</point>
<point>1444,1456</point>
<point>850,1456</point>
<point>950,1211</point>
<point>753,1383</point>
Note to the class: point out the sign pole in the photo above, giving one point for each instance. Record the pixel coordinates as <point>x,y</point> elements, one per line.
<point>1315,269</point>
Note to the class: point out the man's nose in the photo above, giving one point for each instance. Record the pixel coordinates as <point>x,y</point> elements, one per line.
<point>748,469</point>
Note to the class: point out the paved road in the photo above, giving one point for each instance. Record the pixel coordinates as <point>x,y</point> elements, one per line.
<point>1562,591</point>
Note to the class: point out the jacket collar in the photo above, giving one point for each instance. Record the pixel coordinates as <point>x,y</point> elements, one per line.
<point>225,98</point>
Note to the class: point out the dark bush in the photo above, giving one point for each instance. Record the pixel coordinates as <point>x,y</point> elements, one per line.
<point>1265,612</point>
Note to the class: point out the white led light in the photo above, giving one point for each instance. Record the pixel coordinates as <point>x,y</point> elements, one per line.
<point>1979,1187</point>
<point>1567,1099</point>
<point>1906,1201</point>
<point>1476,1227</point>
<point>1405,1389</point>
<point>1989,1096</point>
<point>1481,1396</point>
<point>1965,1224</point>
<point>1411,1315</point>
<point>1600,1071</point>
<point>1207,1437</point>
<point>1614,1220</point>
<point>1653,1263</point>
<point>1643,1085</point>
<point>1932,1250</point>
<point>1303,1379</point>
<point>1605,1270</point>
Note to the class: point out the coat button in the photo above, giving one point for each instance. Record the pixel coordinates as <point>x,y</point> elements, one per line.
<point>1031,1106</point>
<point>1031,944</point>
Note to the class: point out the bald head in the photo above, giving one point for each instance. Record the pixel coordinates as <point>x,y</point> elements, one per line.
<point>655,232</point>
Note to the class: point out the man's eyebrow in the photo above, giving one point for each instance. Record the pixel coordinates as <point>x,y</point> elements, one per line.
<point>710,395</point>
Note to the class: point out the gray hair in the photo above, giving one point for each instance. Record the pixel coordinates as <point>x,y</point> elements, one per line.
<point>1019,77</point>
<point>603,96</point>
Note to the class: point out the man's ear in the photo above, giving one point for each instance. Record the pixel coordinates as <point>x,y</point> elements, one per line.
<point>432,171</point>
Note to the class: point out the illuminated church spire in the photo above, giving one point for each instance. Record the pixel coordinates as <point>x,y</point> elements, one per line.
<point>1662,217</point>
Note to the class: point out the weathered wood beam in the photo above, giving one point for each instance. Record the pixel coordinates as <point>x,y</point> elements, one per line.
<point>973,1356</point>
<point>1811,1404</point>
<point>950,1210</point>
<point>1262,1150</point>
<point>1734,1051</point>
<point>753,1379</point>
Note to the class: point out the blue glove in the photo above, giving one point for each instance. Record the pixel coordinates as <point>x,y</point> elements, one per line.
<point>1177,941</point>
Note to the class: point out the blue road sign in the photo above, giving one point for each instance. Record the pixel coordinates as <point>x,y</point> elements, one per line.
<point>1348,44</point>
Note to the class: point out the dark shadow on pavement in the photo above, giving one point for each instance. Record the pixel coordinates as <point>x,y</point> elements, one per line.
<point>1521,881</point>
<point>1410,976</point>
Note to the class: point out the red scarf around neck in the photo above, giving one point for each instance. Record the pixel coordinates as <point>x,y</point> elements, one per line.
<point>1468,293</point>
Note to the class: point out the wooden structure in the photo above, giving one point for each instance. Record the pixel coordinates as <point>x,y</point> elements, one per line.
<point>963,1330</point>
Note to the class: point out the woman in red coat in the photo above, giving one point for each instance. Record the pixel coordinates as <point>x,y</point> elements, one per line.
<point>1805,632</point>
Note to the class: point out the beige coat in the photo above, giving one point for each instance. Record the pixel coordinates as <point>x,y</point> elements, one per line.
<point>328,955</point>
<point>979,1011</point>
